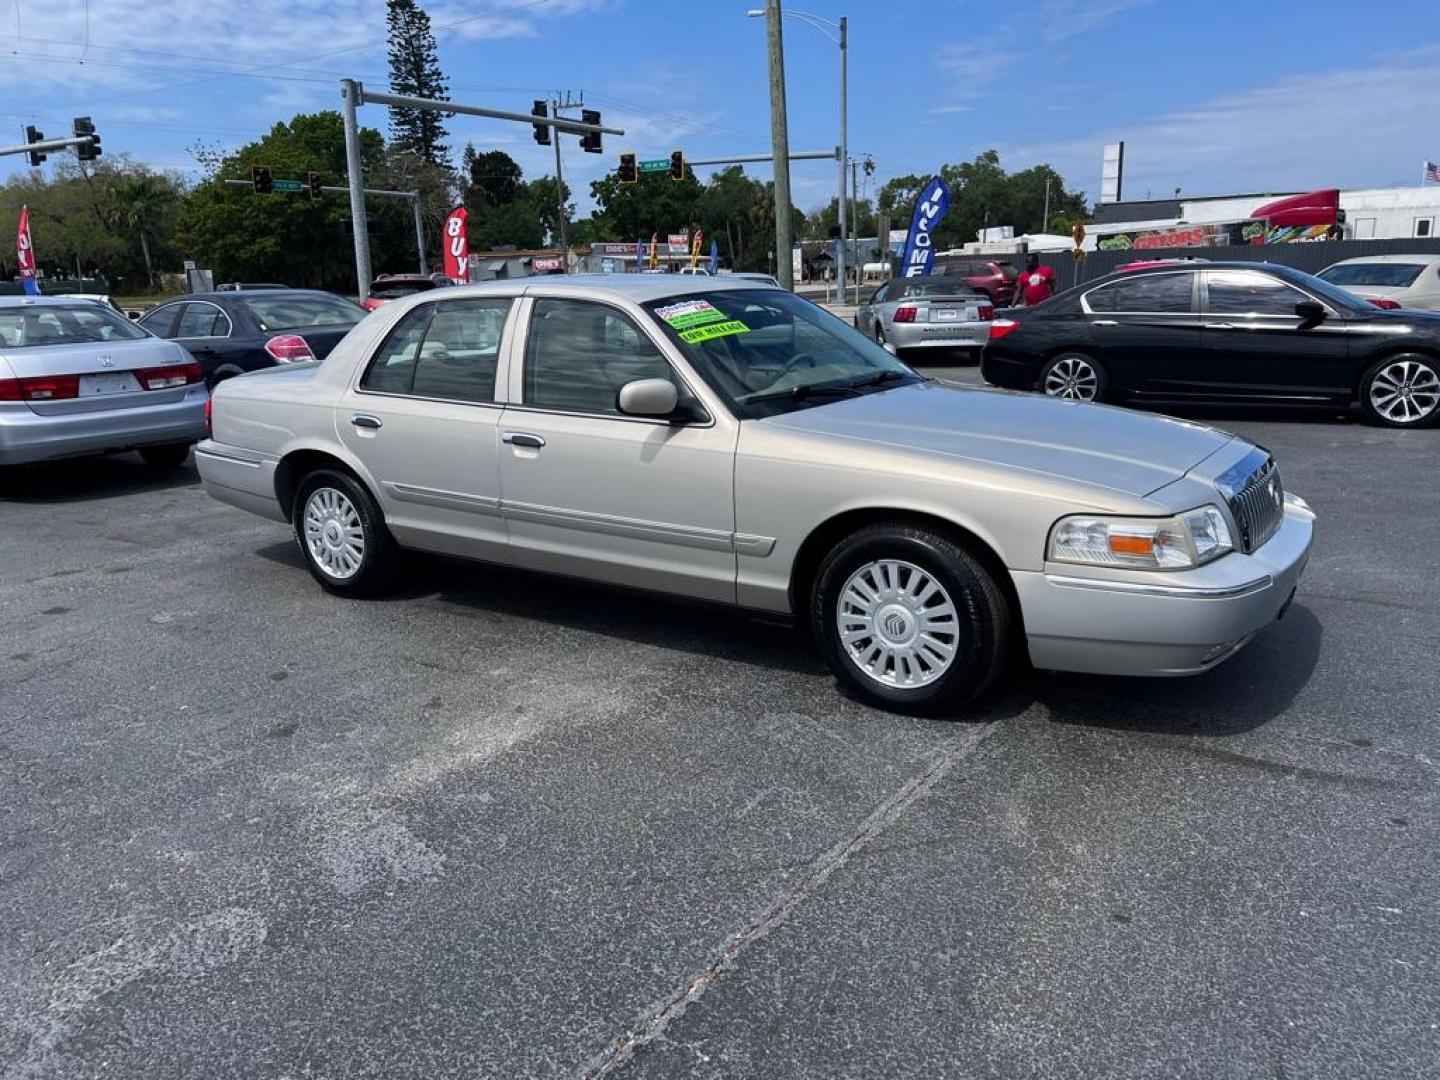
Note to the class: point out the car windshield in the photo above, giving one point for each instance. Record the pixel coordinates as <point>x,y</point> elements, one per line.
<point>1008,269</point>
<point>1382,275</point>
<point>767,351</point>
<point>1333,293</point>
<point>63,324</point>
<point>299,310</point>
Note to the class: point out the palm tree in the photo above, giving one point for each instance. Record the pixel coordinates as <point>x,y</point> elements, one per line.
<point>145,202</point>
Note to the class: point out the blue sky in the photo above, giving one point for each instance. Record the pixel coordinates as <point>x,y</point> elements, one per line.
<point>1215,97</point>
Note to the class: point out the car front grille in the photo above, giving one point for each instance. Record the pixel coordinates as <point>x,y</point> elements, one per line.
<point>1256,499</point>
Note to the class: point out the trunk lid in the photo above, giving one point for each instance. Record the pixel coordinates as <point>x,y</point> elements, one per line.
<point>106,371</point>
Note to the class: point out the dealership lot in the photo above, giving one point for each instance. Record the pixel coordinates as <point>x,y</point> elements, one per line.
<point>505,825</point>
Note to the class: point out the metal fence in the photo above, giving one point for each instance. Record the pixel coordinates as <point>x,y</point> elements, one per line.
<point>1310,257</point>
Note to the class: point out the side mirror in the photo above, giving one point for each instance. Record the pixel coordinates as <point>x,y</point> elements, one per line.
<point>1311,311</point>
<point>648,397</point>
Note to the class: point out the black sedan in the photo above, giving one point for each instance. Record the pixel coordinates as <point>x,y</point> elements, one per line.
<point>242,330</point>
<point>1222,333</point>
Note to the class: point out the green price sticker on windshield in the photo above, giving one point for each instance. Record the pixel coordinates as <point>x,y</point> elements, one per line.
<point>688,313</point>
<point>698,334</point>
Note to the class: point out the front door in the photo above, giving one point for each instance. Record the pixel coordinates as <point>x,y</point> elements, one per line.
<point>591,492</point>
<point>423,420</point>
<point>1260,347</point>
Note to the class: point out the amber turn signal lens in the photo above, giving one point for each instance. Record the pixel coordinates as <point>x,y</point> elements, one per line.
<point>1122,544</point>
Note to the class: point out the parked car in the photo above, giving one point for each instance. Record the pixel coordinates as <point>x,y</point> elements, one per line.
<point>77,378</point>
<point>705,439</point>
<point>1410,281</point>
<point>1222,333</point>
<point>234,332</point>
<point>695,271</point>
<point>240,286</point>
<point>995,279</point>
<point>928,312</point>
<point>769,280</point>
<point>389,287</point>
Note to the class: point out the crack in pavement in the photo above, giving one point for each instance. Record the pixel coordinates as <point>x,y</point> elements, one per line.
<point>650,1027</point>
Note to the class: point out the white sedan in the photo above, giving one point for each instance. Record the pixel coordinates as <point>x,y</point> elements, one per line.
<point>1408,281</point>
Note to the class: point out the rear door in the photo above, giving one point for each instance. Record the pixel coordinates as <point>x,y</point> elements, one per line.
<point>1257,346</point>
<point>423,418</point>
<point>208,334</point>
<point>1146,330</point>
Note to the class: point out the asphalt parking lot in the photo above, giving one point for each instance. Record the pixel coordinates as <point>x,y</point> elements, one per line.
<point>499,825</point>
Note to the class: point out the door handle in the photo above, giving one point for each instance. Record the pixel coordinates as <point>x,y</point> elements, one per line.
<point>1104,322</point>
<point>1220,326</point>
<point>522,438</point>
<point>366,421</point>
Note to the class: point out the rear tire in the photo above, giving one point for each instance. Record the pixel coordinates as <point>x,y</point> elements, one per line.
<point>909,620</point>
<point>1074,376</point>
<point>168,456</point>
<point>1402,391</point>
<point>342,536</point>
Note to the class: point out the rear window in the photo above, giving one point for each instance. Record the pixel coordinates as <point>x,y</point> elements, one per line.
<point>923,287</point>
<point>55,324</point>
<point>301,310</point>
<point>1381,275</point>
<point>391,290</point>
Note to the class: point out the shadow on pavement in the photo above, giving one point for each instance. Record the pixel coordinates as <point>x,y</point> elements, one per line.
<point>78,479</point>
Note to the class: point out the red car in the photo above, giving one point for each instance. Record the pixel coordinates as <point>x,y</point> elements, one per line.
<point>389,287</point>
<point>995,279</point>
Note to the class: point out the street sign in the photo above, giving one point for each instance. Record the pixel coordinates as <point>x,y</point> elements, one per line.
<point>655,165</point>
<point>289,185</point>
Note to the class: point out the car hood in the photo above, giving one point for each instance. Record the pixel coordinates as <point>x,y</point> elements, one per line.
<point>1134,453</point>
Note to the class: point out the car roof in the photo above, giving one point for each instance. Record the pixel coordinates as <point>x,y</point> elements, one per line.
<point>637,287</point>
<point>249,294</point>
<point>1420,259</point>
<point>46,301</point>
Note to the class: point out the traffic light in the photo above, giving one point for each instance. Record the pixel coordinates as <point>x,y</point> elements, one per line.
<point>261,179</point>
<point>677,165</point>
<point>542,131</point>
<point>34,136</point>
<point>316,183</point>
<point>83,126</point>
<point>590,140</point>
<point>628,173</point>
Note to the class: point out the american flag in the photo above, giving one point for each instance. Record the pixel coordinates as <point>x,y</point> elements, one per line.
<point>1432,171</point>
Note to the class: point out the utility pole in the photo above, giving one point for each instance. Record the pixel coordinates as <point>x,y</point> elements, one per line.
<point>779,143</point>
<point>350,98</point>
<point>419,234</point>
<point>855,224</point>
<point>557,105</point>
<point>844,153</point>
<point>1045,224</point>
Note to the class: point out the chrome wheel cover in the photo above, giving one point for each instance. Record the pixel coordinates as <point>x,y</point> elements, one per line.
<point>897,624</point>
<point>1072,377</point>
<point>1405,392</point>
<point>333,534</point>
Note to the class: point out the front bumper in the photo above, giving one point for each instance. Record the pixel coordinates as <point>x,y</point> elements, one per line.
<point>1157,623</point>
<point>938,335</point>
<point>27,437</point>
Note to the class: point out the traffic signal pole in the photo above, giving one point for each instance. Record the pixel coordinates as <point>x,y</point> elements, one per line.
<point>353,95</point>
<point>44,146</point>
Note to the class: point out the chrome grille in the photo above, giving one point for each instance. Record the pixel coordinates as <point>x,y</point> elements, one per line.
<point>1256,498</point>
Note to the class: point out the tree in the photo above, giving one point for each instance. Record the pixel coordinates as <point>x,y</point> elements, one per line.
<point>415,72</point>
<point>292,238</point>
<point>145,203</point>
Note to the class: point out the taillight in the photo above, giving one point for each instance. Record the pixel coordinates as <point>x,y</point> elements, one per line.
<point>1000,327</point>
<point>40,388</point>
<point>209,419</point>
<point>904,314</point>
<point>1386,303</point>
<point>289,348</point>
<point>987,311</point>
<point>370,303</point>
<point>169,376</point>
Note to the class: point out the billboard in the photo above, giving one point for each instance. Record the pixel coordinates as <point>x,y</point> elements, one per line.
<point>1112,172</point>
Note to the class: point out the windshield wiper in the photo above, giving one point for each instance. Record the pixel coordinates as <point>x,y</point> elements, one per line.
<point>800,393</point>
<point>880,378</point>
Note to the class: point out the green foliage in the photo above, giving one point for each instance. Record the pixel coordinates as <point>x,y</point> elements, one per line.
<point>294,239</point>
<point>415,72</point>
<point>504,208</point>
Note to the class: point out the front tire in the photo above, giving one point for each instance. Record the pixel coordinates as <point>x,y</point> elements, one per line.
<point>342,536</point>
<point>169,456</point>
<point>909,620</point>
<point>1402,391</point>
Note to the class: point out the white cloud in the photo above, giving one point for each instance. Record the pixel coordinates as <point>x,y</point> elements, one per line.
<point>969,70</point>
<point>1353,126</point>
<point>1066,18</point>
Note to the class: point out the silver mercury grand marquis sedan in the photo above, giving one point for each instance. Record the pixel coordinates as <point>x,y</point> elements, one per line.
<point>715,440</point>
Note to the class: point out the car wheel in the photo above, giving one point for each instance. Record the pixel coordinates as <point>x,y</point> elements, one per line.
<point>341,534</point>
<point>169,456</point>
<point>1402,391</point>
<point>1074,376</point>
<point>909,620</point>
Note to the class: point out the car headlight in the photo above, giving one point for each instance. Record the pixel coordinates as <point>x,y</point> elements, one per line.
<point>1182,542</point>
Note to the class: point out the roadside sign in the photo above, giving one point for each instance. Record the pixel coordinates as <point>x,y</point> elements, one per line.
<point>655,165</point>
<point>292,186</point>
<point>1078,232</point>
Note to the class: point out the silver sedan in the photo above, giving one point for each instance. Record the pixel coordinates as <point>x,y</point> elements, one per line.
<point>707,439</point>
<point>78,378</point>
<point>930,312</point>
